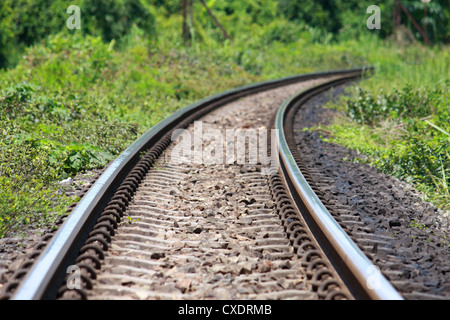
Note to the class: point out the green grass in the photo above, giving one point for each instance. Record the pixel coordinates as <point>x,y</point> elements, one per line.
<point>398,66</point>
<point>403,133</point>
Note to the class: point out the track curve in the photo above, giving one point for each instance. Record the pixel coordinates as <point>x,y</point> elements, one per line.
<point>87,231</point>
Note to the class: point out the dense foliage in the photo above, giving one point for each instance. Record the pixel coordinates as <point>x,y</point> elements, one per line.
<point>24,22</point>
<point>344,18</point>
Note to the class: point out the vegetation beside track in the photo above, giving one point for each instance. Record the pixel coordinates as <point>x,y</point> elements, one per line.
<point>71,101</point>
<point>404,133</point>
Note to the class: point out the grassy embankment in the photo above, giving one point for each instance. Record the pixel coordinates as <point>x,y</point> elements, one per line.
<point>400,118</point>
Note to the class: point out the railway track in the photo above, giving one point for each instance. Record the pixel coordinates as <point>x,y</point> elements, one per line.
<point>177,216</point>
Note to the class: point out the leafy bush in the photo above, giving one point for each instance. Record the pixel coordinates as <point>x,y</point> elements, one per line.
<point>322,14</point>
<point>26,180</point>
<point>76,133</point>
<point>419,160</point>
<point>406,103</point>
<point>113,19</point>
<point>48,135</point>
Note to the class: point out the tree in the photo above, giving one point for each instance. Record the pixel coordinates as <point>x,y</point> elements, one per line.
<point>187,9</point>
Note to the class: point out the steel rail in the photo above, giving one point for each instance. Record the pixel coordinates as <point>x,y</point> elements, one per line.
<point>48,271</point>
<point>361,276</point>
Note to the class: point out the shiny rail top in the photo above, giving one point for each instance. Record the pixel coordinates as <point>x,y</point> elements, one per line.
<point>376,285</point>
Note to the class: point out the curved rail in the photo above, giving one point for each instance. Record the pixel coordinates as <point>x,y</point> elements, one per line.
<point>49,270</point>
<point>355,268</point>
